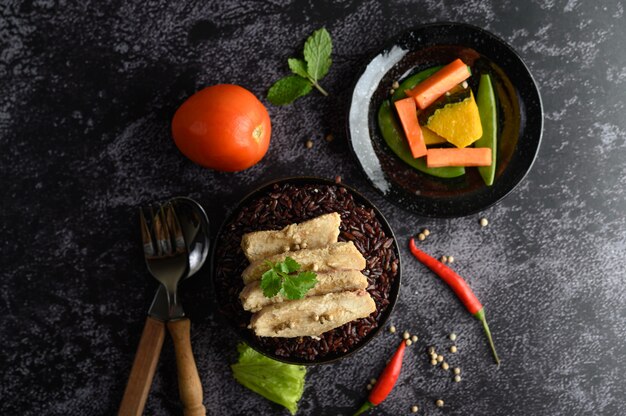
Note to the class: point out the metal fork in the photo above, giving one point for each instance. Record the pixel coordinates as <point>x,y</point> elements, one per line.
<point>165,252</point>
<point>167,259</point>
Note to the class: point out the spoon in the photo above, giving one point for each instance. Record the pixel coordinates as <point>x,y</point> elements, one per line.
<point>195,226</point>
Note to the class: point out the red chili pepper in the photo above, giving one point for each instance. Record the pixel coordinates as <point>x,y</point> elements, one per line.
<point>386,381</point>
<point>460,288</point>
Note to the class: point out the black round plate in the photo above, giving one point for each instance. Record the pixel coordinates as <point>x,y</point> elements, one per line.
<point>418,49</point>
<point>245,333</point>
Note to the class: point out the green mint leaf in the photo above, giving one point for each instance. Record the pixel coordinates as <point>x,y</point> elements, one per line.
<point>271,283</point>
<point>298,67</point>
<point>306,280</point>
<point>292,265</point>
<point>288,89</point>
<point>291,290</point>
<point>278,280</point>
<point>295,287</point>
<point>317,50</point>
<point>282,267</point>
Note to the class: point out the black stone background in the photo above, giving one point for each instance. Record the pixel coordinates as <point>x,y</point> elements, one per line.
<point>87,92</point>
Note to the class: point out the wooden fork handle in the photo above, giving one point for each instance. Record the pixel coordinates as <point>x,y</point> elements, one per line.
<point>189,385</point>
<point>144,366</point>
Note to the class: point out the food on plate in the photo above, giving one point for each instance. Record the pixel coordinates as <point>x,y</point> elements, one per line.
<point>315,233</point>
<point>312,316</point>
<point>427,92</point>
<point>430,137</point>
<point>278,300</point>
<point>457,122</point>
<point>412,130</point>
<point>273,208</point>
<point>285,278</point>
<point>222,127</point>
<point>253,299</point>
<point>459,287</point>
<point>279,382</point>
<point>393,136</point>
<point>436,108</point>
<point>487,107</point>
<point>469,156</point>
<point>412,81</point>
<point>386,381</point>
<point>336,256</point>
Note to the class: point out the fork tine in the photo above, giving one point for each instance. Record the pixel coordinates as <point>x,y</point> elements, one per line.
<point>148,246</point>
<point>174,227</point>
<point>162,234</point>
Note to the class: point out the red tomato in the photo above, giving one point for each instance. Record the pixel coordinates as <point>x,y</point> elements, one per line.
<point>223,127</point>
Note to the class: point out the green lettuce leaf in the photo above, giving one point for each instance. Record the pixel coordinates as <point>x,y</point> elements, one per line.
<point>279,382</point>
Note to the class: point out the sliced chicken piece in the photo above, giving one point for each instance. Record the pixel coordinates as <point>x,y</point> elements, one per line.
<point>312,316</point>
<point>253,300</point>
<point>315,233</point>
<point>337,256</point>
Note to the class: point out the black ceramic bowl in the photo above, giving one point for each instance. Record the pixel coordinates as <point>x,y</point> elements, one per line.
<point>266,208</point>
<point>520,119</point>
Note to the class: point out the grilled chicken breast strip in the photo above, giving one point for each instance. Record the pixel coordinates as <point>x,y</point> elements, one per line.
<point>337,256</point>
<point>312,316</point>
<point>253,300</point>
<point>315,233</point>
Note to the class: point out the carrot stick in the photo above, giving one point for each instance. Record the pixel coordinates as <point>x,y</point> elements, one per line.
<point>412,130</point>
<point>433,87</point>
<point>469,156</point>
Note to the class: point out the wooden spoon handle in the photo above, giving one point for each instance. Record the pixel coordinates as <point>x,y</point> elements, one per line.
<point>189,385</point>
<point>144,366</point>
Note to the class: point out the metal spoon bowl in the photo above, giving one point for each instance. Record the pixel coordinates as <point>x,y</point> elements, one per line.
<point>195,227</point>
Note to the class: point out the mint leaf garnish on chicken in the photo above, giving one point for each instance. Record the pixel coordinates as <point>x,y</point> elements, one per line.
<point>281,277</point>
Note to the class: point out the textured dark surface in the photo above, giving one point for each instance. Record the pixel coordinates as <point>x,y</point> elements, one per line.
<point>86,96</point>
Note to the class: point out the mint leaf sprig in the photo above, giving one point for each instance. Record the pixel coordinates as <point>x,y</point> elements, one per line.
<point>317,50</point>
<point>281,278</point>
